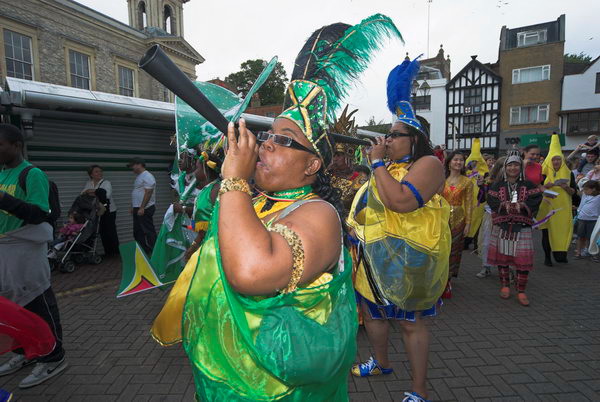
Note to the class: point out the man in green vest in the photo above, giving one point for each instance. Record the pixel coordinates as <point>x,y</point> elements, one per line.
<point>24,237</point>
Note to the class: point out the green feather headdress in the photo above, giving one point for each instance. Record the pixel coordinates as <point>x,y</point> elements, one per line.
<point>325,69</point>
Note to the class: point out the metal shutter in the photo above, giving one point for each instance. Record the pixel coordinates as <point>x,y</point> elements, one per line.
<point>65,149</point>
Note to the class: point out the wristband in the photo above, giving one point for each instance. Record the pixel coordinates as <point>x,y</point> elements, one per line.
<point>377,163</point>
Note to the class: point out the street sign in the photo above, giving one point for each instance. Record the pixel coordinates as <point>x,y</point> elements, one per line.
<point>541,140</point>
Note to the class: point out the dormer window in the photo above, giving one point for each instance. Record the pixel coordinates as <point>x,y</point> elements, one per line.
<point>529,38</point>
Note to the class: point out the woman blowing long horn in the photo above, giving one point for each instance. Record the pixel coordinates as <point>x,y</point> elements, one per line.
<point>402,223</point>
<point>270,312</point>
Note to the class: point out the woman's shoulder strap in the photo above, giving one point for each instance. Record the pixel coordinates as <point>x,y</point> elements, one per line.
<point>299,203</point>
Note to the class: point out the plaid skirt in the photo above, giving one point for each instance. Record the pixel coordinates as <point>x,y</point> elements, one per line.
<point>520,257</point>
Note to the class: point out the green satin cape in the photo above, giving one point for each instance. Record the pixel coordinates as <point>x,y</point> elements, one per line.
<point>288,347</point>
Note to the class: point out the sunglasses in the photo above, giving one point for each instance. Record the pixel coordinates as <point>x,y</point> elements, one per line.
<point>282,140</point>
<point>397,134</point>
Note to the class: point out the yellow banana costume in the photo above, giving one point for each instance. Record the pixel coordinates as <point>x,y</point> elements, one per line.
<point>560,225</point>
<point>482,169</point>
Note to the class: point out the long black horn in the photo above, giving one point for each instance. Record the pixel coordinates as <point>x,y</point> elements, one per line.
<point>349,140</point>
<point>156,63</point>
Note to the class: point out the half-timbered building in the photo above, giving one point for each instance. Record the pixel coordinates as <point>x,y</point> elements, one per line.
<point>473,108</point>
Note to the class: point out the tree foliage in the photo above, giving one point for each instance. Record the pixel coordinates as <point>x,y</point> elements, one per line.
<point>271,93</point>
<point>578,58</point>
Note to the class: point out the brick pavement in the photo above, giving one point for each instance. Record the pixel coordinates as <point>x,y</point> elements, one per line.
<point>482,347</point>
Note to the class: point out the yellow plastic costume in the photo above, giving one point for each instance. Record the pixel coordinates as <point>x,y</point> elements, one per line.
<point>482,169</point>
<point>560,225</point>
<point>405,259</point>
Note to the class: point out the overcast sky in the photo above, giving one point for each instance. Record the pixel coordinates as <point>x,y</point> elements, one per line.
<point>226,33</point>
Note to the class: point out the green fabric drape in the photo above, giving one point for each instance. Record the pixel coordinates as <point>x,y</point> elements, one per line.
<point>289,347</point>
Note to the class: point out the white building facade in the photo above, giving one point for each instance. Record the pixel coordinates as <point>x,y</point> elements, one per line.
<point>580,111</point>
<point>429,99</point>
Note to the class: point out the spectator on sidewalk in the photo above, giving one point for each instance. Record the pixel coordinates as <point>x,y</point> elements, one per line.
<point>24,237</point>
<point>143,200</point>
<point>587,215</point>
<point>102,189</point>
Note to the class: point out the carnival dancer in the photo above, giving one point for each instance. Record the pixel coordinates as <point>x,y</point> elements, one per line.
<point>402,223</point>
<point>557,232</point>
<point>343,174</point>
<point>483,239</point>
<point>270,313</point>
<point>514,202</point>
<point>208,167</point>
<point>166,329</point>
<point>458,191</point>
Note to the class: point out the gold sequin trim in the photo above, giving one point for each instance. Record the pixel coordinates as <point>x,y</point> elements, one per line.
<point>295,244</point>
<point>234,184</point>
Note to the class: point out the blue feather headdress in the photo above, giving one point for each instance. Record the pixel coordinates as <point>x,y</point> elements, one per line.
<point>399,84</point>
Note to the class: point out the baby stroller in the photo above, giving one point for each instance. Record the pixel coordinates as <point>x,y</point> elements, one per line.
<point>82,248</point>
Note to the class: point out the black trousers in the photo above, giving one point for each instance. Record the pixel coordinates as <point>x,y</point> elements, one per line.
<point>143,229</point>
<point>46,307</point>
<point>559,256</point>
<point>108,233</point>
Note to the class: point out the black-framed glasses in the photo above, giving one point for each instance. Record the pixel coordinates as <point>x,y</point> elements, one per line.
<point>282,140</point>
<point>397,134</point>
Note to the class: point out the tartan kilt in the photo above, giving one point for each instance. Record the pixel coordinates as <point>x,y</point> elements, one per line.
<point>523,258</point>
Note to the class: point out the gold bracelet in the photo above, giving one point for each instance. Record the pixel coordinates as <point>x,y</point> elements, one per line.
<point>234,184</point>
<point>295,244</point>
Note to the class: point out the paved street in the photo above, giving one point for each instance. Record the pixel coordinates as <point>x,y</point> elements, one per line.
<point>483,347</point>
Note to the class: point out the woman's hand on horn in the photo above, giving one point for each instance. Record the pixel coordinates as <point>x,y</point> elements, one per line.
<point>242,154</point>
<point>377,150</point>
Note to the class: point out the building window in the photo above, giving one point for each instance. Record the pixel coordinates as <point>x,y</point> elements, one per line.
<point>19,55</point>
<point>169,20</point>
<point>142,17</point>
<point>473,97</point>
<point>528,38</point>
<point>472,124</point>
<point>422,102</point>
<point>598,83</point>
<point>126,82</point>
<point>583,123</point>
<point>79,65</point>
<point>530,74</point>
<point>529,114</point>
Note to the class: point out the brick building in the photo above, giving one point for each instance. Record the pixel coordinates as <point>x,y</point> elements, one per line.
<point>66,43</point>
<point>531,63</point>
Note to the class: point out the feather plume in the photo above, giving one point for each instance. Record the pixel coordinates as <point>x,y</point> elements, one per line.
<point>336,54</point>
<point>400,81</point>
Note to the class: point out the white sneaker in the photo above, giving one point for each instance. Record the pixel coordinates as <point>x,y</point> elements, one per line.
<point>585,253</point>
<point>16,363</point>
<point>485,271</point>
<point>42,372</point>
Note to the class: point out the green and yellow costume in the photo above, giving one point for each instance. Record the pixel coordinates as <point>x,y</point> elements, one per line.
<point>295,346</point>
<point>290,347</point>
<point>166,328</point>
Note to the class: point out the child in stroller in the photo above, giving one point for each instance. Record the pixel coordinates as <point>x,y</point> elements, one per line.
<point>67,233</point>
<point>78,236</point>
